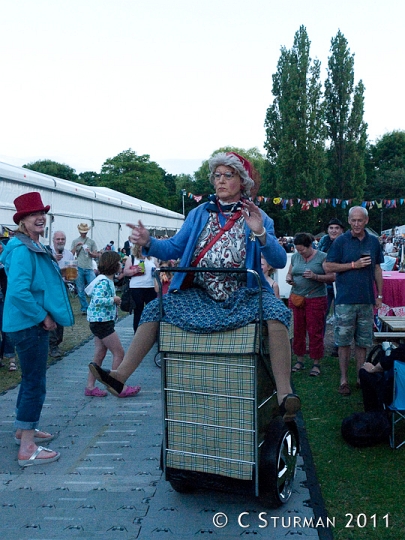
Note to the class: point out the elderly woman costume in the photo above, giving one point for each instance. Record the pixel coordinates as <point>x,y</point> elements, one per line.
<point>229,231</point>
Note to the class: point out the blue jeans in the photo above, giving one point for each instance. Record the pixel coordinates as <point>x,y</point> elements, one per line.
<point>6,345</point>
<point>84,277</point>
<point>32,348</point>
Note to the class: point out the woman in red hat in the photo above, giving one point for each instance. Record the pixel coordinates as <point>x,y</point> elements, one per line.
<point>229,231</point>
<point>36,300</point>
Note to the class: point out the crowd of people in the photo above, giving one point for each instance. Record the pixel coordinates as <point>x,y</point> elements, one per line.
<point>229,231</point>
<point>342,270</point>
<point>351,266</point>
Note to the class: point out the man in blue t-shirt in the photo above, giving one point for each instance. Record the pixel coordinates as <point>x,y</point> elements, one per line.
<point>356,257</point>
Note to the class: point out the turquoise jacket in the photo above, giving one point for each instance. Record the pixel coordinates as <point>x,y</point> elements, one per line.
<point>35,287</point>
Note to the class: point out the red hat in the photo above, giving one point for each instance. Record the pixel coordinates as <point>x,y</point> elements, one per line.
<point>28,204</point>
<point>246,164</point>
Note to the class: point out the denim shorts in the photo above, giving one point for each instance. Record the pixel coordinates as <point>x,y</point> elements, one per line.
<point>354,321</point>
<point>102,329</point>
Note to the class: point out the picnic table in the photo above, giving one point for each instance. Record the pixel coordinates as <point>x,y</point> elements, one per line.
<point>393,329</point>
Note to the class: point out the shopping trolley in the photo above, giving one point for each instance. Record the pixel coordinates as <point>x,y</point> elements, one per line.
<point>222,427</point>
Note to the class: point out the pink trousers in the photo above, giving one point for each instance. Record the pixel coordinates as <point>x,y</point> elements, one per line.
<point>309,320</point>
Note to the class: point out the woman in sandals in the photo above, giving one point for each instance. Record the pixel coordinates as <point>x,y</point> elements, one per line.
<point>36,300</point>
<point>102,314</point>
<point>308,280</point>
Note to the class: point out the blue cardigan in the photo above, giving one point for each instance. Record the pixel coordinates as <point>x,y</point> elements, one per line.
<point>182,246</point>
<point>35,287</point>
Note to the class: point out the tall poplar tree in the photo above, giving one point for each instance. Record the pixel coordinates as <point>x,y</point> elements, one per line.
<point>295,132</point>
<point>346,129</point>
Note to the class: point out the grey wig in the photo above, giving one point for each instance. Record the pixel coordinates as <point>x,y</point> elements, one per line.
<point>235,163</point>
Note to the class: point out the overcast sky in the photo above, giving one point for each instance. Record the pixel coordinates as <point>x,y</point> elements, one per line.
<point>83,80</point>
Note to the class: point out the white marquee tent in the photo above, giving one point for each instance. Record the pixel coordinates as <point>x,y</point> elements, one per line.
<point>105,210</point>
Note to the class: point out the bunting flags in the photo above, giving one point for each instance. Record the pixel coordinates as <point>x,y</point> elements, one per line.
<point>315,203</point>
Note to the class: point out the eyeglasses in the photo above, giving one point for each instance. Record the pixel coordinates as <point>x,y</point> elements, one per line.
<point>227,175</point>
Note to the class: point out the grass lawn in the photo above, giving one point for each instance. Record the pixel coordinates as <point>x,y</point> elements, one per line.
<point>363,489</point>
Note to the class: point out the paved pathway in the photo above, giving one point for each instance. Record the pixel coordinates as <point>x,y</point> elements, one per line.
<point>107,483</point>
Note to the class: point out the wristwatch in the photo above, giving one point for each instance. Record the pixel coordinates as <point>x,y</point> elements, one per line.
<point>379,296</point>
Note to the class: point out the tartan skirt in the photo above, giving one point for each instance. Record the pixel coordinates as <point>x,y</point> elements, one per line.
<point>194,311</point>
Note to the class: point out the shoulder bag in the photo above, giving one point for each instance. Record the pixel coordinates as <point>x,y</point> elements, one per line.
<point>127,303</point>
<point>297,300</point>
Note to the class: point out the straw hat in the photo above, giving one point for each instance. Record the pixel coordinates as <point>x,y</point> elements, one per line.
<point>83,227</point>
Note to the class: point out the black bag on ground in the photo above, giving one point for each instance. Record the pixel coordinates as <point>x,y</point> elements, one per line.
<point>366,428</point>
<point>376,354</point>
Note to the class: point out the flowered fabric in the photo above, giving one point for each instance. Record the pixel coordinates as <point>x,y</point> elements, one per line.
<point>228,252</point>
<point>194,311</point>
<point>102,307</point>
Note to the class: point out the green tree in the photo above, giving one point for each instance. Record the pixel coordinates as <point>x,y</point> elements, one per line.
<point>185,183</point>
<point>136,176</point>
<point>346,129</point>
<point>386,180</point>
<point>294,123</point>
<point>295,135</point>
<point>388,153</point>
<point>172,202</point>
<point>89,178</point>
<point>53,168</point>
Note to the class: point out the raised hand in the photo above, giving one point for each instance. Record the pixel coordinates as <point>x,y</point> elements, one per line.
<point>139,235</point>
<point>253,217</point>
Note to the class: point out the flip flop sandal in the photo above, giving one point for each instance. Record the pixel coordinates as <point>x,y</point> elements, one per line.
<point>315,371</point>
<point>114,386</point>
<point>344,389</point>
<point>34,460</point>
<point>12,366</point>
<point>300,367</point>
<point>37,439</point>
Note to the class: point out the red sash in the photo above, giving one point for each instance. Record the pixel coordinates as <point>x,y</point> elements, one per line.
<point>188,280</point>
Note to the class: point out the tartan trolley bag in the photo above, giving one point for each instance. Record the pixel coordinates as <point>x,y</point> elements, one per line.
<point>222,428</point>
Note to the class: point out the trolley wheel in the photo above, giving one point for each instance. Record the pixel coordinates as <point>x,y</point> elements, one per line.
<point>278,463</point>
<point>158,359</point>
<point>179,481</point>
